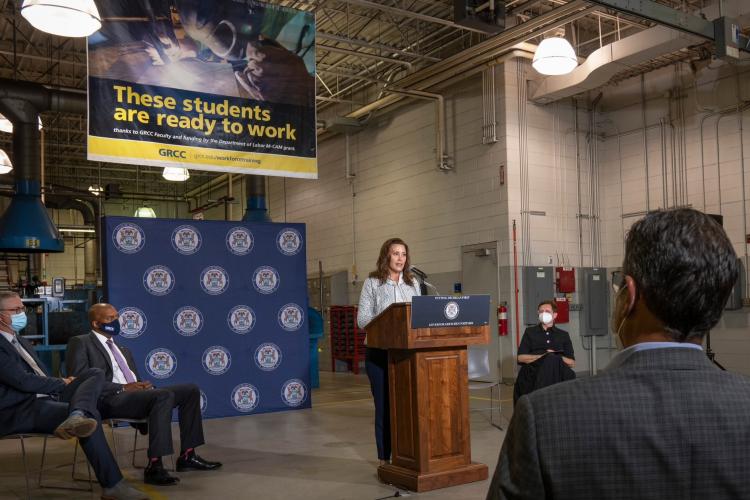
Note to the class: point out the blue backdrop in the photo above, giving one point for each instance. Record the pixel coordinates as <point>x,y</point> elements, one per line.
<point>219,304</point>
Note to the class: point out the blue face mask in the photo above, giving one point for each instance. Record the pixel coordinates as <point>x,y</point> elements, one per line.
<point>112,328</point>
<point>18,321</point>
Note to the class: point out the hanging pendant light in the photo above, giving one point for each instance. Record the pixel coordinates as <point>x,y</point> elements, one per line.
<point>554,56</point>
<point>73,18</point>
<point>5,164</point>
<point>176,174</point>
<point>145,211</point>
<point>7,127</point>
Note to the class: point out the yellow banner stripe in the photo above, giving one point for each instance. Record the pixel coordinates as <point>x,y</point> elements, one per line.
<point>218,160</point>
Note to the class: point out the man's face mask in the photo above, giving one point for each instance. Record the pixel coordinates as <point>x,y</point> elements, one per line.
<point>111,328</point>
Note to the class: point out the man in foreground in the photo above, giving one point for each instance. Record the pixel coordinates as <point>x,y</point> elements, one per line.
<point>137,399</point>
<point>31,401</point>
<point>662,421</point>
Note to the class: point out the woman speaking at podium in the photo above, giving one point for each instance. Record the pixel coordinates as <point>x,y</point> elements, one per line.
<point>390,282</point>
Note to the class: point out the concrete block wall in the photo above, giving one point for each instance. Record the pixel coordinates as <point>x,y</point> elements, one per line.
<point>713,166</point>
<point>398,190</point>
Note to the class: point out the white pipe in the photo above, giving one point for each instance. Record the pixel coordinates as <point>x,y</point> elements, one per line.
<point>441,157</point>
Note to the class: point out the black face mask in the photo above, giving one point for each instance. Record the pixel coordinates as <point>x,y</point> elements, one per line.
<point>112,328</point>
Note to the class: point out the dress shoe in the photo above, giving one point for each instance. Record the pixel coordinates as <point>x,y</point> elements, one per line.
<point>123,491</point>
<point>156,474</point>
<point>76,426</point>
<point>191,461</point>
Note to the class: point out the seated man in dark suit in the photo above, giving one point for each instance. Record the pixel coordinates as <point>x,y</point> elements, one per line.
<point>662,421</point>
<point>139,399</point>
<point>545,354</point>
<point>31,401</point>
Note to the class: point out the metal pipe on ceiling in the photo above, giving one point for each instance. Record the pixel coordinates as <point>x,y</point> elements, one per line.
<point>412,15</point>
<point>348,52</point>
<point>482,53</point>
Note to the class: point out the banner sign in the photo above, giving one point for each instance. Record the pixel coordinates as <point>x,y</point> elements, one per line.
<point>226,85</point>
<point>220,304</point>
<point>432,311</point>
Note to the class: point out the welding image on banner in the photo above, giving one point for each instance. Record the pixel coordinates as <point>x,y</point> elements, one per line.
<point>227,47</point>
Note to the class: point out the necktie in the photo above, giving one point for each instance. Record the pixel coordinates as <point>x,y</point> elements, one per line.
<point>27,357</point>
<point>121,362</point>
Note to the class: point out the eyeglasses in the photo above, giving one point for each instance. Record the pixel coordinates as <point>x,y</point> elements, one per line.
<point>17,310</point>
<point>618,281</point>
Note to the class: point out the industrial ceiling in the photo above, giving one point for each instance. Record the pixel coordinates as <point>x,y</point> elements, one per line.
<point>361,46</point>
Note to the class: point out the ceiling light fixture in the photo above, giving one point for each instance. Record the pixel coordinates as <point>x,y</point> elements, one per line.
<point>73,18</point>
<point>145,211</point>
<point>7,126</point>
<point>176,174</point>
<point>5,164</point>
<point>96,189</point>
<point>554,56</point>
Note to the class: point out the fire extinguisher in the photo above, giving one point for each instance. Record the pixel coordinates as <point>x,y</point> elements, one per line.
<point>502,320</point>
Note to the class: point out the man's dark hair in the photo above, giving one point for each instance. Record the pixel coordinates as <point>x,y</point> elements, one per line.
<point>685,266</point>
<point>548,302</point>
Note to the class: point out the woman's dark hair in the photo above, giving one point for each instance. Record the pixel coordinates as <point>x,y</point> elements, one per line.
<point>381,268</point>
<point>685,266</point>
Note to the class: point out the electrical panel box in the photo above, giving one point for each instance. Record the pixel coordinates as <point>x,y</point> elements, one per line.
<point>538,286</point>
<point>565,279</point>
<point>563,310</point>
<point>735,298</point>
<point>595,314</point>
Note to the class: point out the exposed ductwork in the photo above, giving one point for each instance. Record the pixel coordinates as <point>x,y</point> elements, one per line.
<point>26,226</point>
<point>257,210</point>
<point>90,215</point>
<point>612,59</point>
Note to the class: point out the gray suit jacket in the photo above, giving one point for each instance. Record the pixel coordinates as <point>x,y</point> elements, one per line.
<point>666,424</point>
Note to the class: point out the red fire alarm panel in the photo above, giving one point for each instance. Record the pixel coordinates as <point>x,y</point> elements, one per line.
<point>565,279</point>
<point>563,310</point>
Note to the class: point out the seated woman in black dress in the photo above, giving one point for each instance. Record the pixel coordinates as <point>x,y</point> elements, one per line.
<point>545,353</point>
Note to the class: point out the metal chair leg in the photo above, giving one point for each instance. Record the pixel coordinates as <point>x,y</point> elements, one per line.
<point>135,445</point>
<point>25,467</point>
<point>41,467</point>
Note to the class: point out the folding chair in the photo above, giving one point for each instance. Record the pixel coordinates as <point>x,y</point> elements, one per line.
<point>480,377</point>
<point>22,437</point>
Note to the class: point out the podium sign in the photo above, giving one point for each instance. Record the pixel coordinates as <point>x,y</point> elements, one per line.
<point>435,311</point>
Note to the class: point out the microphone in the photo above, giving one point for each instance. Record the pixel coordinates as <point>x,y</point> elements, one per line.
<point>423,278</point>
<point>418,272</point>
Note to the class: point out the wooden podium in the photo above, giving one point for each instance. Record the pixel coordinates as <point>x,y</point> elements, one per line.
<point>429,401</point>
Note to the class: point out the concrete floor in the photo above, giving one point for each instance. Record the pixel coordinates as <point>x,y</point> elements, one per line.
<point>327,452</point>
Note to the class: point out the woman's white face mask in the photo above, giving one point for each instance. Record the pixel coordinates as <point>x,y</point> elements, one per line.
<point>545,318</point>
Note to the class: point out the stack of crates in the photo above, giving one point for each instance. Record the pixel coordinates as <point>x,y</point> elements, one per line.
<point>347,339</point>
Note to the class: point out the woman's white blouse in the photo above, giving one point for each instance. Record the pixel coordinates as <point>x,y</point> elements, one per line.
<point>377,296</point>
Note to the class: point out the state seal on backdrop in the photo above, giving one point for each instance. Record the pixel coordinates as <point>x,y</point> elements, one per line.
<point>128,237</point>
<point>245,397</point>
<point>289,241</point>
<point>186,240</point>
<point>241,319</point>
<point>161,363</point>
<point>240,241</point>
<point>133,322</point>
<point>268,356</point>
<point>294,392</point>
<point>216,360</point>
<point>188,321</point>
<point>266,280</point>
<point>158,280</point>
<point>214,280</point>
<point>290,317</point>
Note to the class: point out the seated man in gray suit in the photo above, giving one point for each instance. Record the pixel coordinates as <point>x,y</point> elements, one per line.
<point>662,421</point>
